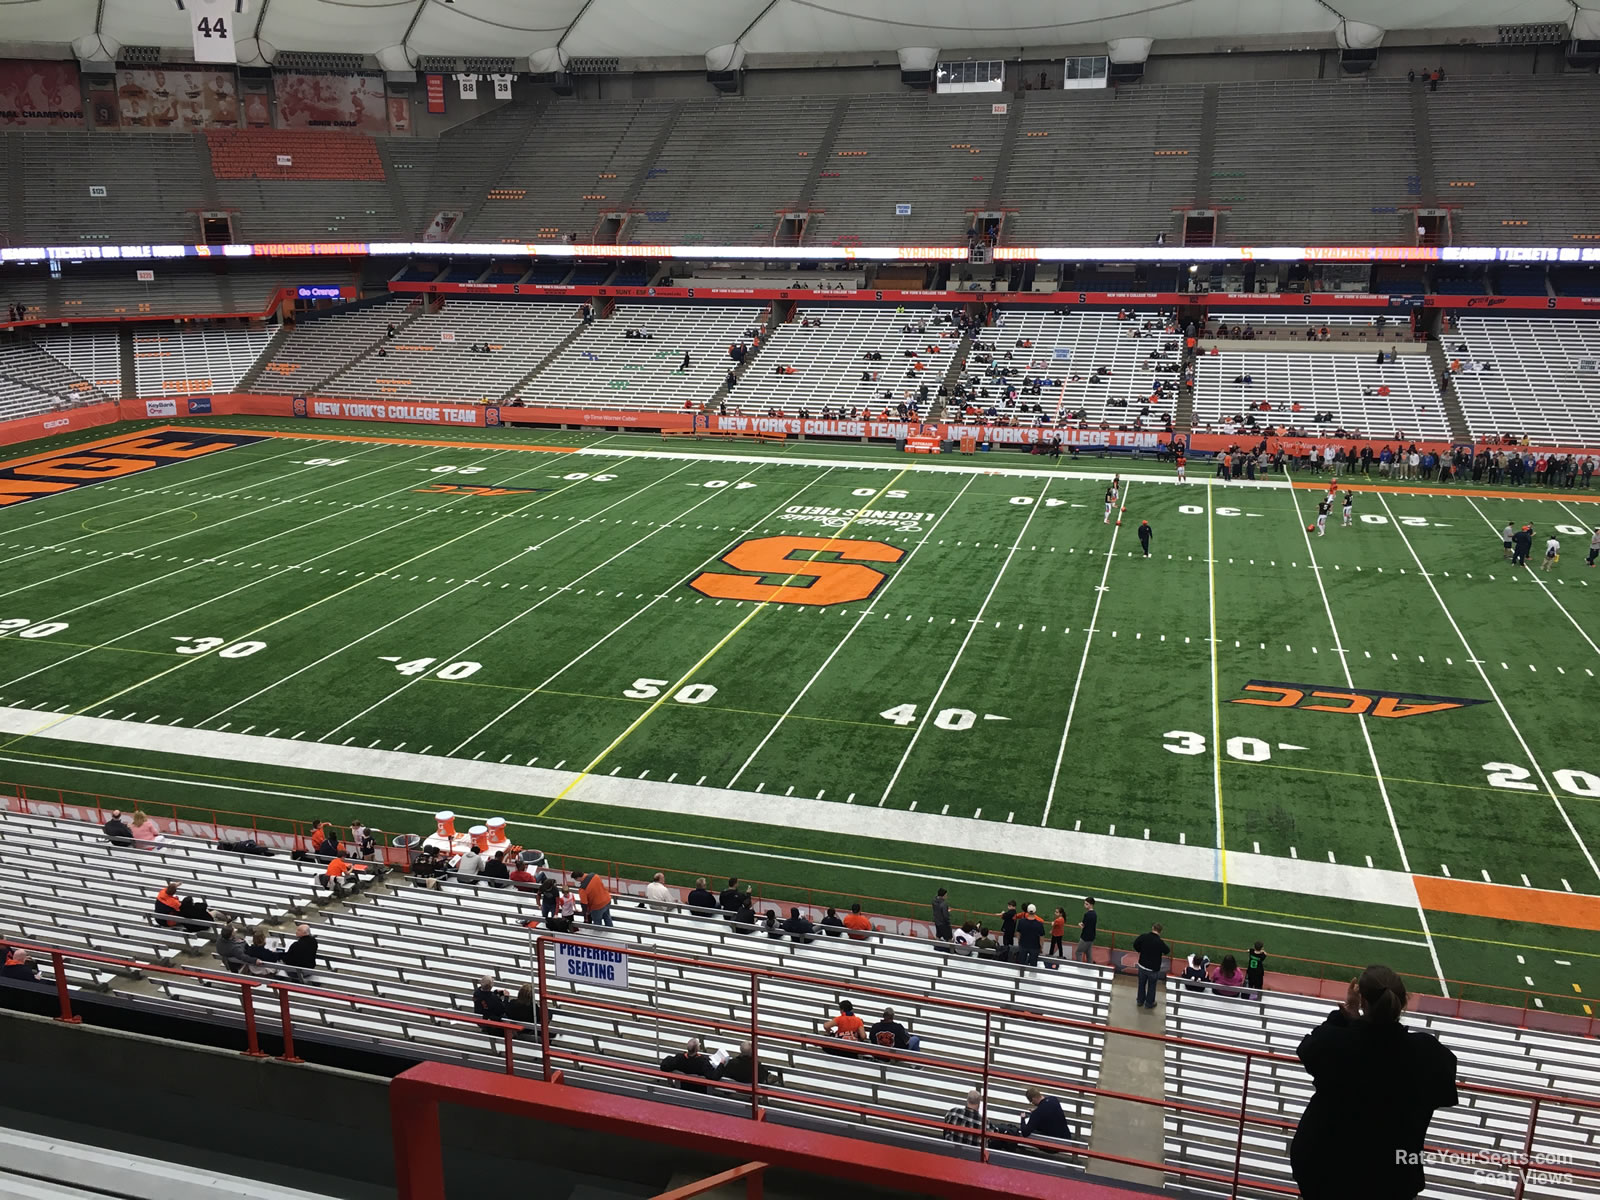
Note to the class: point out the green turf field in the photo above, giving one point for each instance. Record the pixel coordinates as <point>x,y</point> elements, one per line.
<point>981,681</point>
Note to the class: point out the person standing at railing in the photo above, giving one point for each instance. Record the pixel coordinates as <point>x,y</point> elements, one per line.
<point>1030,937</point>
<point>1152,951</point>
<point>1086,932</point>
<point>941,916</point>
<point>1377,1085</point>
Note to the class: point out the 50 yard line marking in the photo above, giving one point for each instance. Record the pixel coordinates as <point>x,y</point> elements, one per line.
<point>1499,703</point>
<point>865,613</point>
<point>1366,734</point>
<point>972,628</point>
<point>711,653</point>
<point>1216,703</point>
<point>1088,640</point>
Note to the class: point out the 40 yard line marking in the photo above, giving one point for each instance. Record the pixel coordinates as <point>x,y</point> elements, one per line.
<point>1366,734</point>
<point>711,653</point>
<point>1216,703</point>
<point>865,613</point>
<point>972,627</point>
<point>652,602</point>
<point>1088,640</point>
<point>1499,703</point>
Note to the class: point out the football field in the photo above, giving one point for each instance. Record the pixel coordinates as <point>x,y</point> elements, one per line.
<point>842,670</point>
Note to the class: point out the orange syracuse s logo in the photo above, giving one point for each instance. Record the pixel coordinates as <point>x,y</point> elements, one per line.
<point>838,578</point>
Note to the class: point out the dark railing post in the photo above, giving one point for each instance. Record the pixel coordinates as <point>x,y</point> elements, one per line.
<point>1244,1104</point>
<point>511,1065</point>
<point>1527,1150</point>
<point>247,1001</point>
<point>755,1048</point>
<point>58,966</point>
<point>983,1107</point>
<point>544,1011</point>
<point>288,1054</point>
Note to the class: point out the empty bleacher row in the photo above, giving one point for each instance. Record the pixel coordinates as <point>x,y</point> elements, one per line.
<point>433,357</point>
<point>323,344</point>
<point>1539,378</point>
<point>917,345</point>
<point>93,357</point>
<point>1347,386</point>
<point>1499,1056</point>
<point>603,367</point>
<point>189,362</point>
<point>32,381</point>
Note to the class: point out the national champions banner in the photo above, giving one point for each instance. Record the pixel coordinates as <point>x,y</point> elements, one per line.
<point>39,94</point>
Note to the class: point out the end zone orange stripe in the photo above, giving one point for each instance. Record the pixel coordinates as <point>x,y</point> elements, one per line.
<point>350,437</point>
<point>1463,896</point>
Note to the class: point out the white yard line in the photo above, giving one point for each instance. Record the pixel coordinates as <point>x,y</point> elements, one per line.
<point>209,600</point>
<point>1534,573</point>
<point>476,579</point>
<point>864,614</point>
<point>1499,703</point>
<point>972,628</point>
<point>202,529</point>
<point>1366,736</point>
<point>644,608</point>
<point>1088,640</point>
<point>9,531</point>
<point>1301,877</point>
<point>1221,872</point>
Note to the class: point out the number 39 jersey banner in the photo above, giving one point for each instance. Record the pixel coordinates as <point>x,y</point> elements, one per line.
<point>211,24</point>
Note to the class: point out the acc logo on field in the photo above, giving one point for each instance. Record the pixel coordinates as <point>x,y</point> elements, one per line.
<point>836,579</point>
<point>1348,701</point>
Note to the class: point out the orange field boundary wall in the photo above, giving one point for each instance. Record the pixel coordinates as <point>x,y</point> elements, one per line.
<point>490,416</point>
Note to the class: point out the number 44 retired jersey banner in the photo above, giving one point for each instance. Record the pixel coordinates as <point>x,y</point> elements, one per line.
<point>211,22</point>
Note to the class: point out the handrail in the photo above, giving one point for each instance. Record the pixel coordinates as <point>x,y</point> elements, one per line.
<point>624,878</point>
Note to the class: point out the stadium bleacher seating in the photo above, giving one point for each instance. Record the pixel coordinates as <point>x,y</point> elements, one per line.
<point>1502,1057</point>
<point>155,184</point>
<point>828,360</point>
<point>1086,166</point>
<point>433,358</point>
<point>322,345</point>
<point>310,154</point>
<point>32,381</point>
<point>1541,378</point>
<point>603,368</point>
<point>195,361</point>
<point>93,357</point>
<point>1341,383</point>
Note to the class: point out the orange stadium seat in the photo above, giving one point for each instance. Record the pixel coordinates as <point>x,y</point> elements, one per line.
<point>315,154</point>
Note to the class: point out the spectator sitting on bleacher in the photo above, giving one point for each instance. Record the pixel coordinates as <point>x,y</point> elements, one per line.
<point>488,1001</point>
<point>116,829</point>
<point>731,900</point>
<point>966,938</point>
<point>168,903</point>
<point>657,894</point>
<point>1376,1086</point>
<point>858,923</point>
<point>1227,977</point>
<point>18,965</point>
<point>846,1026</point>
<point>430,868</point>
<point>469,865</point>
<point>969,1116</point>
<point>521,1009</point>
<point>263,957</point>
<point>770,925</point>
<point>146,833</point>
<point>1196,972</point>
<point>831,924</point>
<point>495,871</point>
<point>701,902</point>
<point>233,952</point>
<point>1046,1119</point>
<point>799,928</point>
<point>300,959</point>
<point>741,1068</point>
<point>691,1063</point>
<point>891,1034</point>
<point>325,842</point>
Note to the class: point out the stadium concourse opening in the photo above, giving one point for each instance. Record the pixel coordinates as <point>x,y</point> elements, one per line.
<point>793,604</point>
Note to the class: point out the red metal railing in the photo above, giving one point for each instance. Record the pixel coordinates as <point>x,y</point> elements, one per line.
<point>981,1076</point>
<point>1523,1008</point>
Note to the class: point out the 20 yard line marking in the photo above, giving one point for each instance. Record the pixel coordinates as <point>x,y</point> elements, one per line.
<point>866,612</point>
<point>1499,703</point>
<point>1366,736</point>
<point>972,627</point>
<point>711,653</point>
<point>1088,641</point>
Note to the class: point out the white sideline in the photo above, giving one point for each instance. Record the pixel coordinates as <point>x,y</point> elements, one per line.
<point>1367,885</point>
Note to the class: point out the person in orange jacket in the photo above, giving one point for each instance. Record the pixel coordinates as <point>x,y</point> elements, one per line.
<point>596,898</point>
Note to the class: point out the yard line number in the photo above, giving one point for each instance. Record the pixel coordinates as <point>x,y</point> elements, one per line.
<point>27,627</point>
<point>1516,778</point>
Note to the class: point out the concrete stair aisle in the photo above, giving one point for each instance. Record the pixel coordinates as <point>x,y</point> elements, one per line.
<point>470,161</point>
<point>1422,134</point>
<point>127,361</point>
<point>1206,151</point>
<point>1002,163</point>
<point>1135,1067</point>
<point>781,311</point>
<point>16,189</point>
<point>251,377</point>
<point>823,154</point>
<point>652,156</point>
<point>952,376</point>
<point>1448,401</point>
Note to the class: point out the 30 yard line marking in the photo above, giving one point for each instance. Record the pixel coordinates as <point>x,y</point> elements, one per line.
<point>1366,735</point>
<point>865,613</point>
<point>653,601</point>
<point>1499,703</point>
<point>1216,703</point>
<point>1088,640</point>
<point>972,627</point>
<point>711,653</point>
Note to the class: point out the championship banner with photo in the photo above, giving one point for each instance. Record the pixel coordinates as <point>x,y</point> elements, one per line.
<point>158,99</point>
<point>37,94</point>
<point>352,102</point>
<point>257,106</point>
<point>399,114</point>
